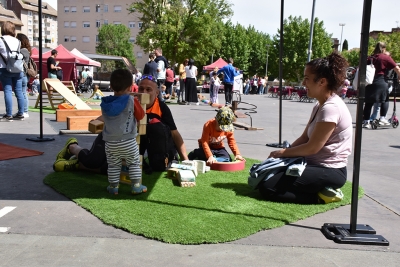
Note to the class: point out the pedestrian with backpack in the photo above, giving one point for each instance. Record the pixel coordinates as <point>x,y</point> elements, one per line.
<point>26,51</point>
<point>11,71</point>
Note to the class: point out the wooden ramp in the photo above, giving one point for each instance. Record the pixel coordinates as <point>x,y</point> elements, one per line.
<point>56,92</point>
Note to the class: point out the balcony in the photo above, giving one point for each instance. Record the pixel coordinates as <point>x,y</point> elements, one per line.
<point>36,26</point>
<point>35,43</point>
<point>48,45</point>
<point>36,34</point>
<point>47,20</point>
<point>35,18</point>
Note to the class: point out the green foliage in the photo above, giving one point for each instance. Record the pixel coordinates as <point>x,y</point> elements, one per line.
<point>392,42</point>
<point>296,34</point>
<point>182,28</point>
<point>345,45</point>
<point>114,40</point>
<point>352,56</point>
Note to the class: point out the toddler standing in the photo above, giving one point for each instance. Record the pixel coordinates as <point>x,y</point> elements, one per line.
<point>120,114</point>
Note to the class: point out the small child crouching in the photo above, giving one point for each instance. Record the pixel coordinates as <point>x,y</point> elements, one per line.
<point>120,114</point>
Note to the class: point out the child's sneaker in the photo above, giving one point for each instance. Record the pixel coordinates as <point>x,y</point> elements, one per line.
<point>112,189</point>
<point>138,188</point>
<point>63,165</point>
<point>64,153</point>
<point>329,195</point>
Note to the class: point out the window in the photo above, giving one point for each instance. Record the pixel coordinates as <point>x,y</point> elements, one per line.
<point>106,22</point>
<point>117,8</point>
<point>86,39</point>
<point>105,8</point>
<point>73,8</point>
<point>131,24</point>
<point>139,54</point>
<point>132,39</point>
<point>66,38</point>
<point>97,39</point>
<point>86,9</point>
<point>29,30</point>
<point>73,24</point>
<point>66,24</point>
<point>98,24</point>
<point>117,22</point>
<point>47,41</point>
<point>140,24</point>
<point>86,24</point>
<point>30,39</point>
<point>97,8</point>
<point>66,9</point>
<point>73,38</point>
<point>29,22</point>
<point>29,13</point>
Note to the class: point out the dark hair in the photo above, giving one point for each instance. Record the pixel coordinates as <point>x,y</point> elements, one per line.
<point>191,63</point>
<point>379,48</point>
<point>53,52</point>
<point>24,42</point>
<point>151,55</point>
<point>120,80</point>
<point>230,60</point>
<point>8,28</point>
<point>332,68</point>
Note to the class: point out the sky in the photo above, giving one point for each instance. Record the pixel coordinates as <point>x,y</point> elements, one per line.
<point>264,15</point>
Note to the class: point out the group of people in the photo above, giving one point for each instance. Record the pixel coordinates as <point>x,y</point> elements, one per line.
<point>325,143</point>
<point>14,81</point>
<point>256,85</point>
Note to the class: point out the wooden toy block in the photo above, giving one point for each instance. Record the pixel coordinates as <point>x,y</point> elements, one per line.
<point>186,178</point>
<point>201,166</point>
<point>142,129</point>
<point>62,114</point>
<point>124,179</point>
<point>144,107</point>
<point>138,139</point>
<point>79,122</point>
<point>185,167</point>
<point>144,98</point>
<point>173,173</point>
<point>144,120</point>
<point>96,126</point>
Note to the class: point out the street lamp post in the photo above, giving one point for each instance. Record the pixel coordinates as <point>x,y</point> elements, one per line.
<point>266,64</point>
<point>341,45</point>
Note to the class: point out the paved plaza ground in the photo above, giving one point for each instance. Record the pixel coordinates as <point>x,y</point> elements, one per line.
<point>47,229</point>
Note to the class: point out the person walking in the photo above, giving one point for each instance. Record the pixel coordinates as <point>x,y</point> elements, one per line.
<point>10,79</point>
<point>229,75</point>
<point>190,86</point>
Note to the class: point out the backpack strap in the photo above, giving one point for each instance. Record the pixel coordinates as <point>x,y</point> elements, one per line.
<point>5,43</point>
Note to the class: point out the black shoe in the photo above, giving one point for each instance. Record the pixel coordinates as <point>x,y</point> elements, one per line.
<point>19,117</point>
<point>7,118</point>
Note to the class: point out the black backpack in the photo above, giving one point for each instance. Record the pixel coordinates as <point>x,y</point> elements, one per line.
<point>160,147</point>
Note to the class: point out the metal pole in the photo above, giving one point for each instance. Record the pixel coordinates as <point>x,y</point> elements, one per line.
<point>281,73</point>
<point>359,117</point>
<point>341,46</point>
<point>311,32</point>
<point>266,65</point>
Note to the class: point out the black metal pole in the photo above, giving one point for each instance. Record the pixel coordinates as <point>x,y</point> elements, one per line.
<point>311,32</point>
<point>40,138</point>
<point>280,78</point>
<point>359,117</point>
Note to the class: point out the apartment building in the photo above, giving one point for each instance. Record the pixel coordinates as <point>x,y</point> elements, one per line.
<point>8,15</point>
<point>27,12</point>
<point>79,22</point>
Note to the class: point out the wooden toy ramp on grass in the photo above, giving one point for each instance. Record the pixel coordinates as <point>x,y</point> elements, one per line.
<point>58,92</point>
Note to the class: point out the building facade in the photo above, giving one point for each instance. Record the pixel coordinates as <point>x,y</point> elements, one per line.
<point>27,12</point>
<point>79,23</point>
<point>374,34</point>
<point>9,15</point>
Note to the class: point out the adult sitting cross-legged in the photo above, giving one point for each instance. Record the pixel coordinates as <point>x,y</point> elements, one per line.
<point>74,157</point>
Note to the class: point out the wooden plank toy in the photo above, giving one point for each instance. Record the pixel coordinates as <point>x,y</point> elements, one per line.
<point>186,178</point>
<point>228,166</point>
<point>96,126</point>
<point>62,114</point>
<point>79,122</point>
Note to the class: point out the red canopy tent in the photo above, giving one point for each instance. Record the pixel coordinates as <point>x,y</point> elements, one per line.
<point>219,64</point>
<point>67,61</point>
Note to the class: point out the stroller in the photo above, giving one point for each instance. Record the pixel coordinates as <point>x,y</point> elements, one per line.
<point>86,86</point>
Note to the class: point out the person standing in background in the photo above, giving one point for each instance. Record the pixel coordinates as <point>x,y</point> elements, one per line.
<point>150,68</point>
<point>182,79</point>
<point>190,86</point>
<point>26,51</point>
<point>229,75</point>
<point>169,80</point>
<point>52,65</point>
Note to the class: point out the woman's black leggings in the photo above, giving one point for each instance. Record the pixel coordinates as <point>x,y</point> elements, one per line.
<point>368,107</point>
<point>303,189</point>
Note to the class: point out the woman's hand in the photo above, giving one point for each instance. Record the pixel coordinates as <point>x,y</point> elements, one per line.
<point>239,157</point>
<point>276,154</point>
<point>211,160</point>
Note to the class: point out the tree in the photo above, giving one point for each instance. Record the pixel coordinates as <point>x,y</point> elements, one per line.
<point>352,56</point>
<point>296,34</point>
<point>182,28</point>
<point>392,42</point>
<point>114,40</point>
<point>345,45</point>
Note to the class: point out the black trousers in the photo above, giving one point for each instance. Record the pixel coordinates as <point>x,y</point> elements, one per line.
<point>95,158</point>
<point>199,154</point>
<point>228,87</point>
<point>303,189</point>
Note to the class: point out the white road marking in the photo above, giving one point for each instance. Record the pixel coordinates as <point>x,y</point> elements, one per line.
<point>3,212</point>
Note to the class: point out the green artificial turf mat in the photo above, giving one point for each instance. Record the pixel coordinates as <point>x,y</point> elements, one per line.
<point>220,208</point>
<point>45,109</point>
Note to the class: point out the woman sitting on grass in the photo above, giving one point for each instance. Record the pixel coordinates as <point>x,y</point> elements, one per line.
<point>325,143</point>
